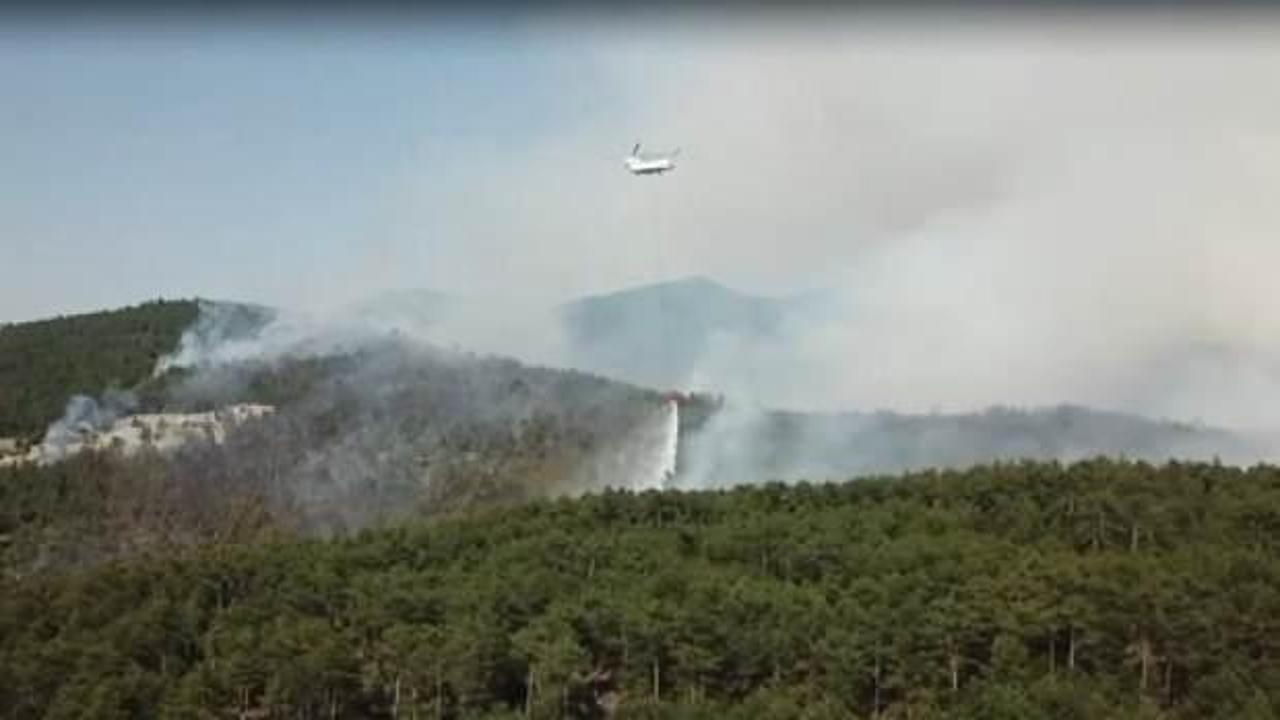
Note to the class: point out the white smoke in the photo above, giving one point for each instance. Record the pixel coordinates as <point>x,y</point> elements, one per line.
<point>728,434</point>
<point>222,335</point>
<point>83,416</point>
<point>207,336</point>
<point>227,333</point>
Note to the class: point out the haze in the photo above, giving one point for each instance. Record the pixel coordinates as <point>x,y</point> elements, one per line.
<point>1031,210</point>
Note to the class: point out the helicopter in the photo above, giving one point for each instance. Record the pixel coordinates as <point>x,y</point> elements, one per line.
<point>639,165</point>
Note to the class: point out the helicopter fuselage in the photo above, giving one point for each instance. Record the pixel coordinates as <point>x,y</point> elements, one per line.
<point>657,166</point>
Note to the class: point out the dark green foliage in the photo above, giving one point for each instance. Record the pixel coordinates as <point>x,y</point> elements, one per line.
<point>44,363</point>
<point>96,506</point>
<point>1096,590</point>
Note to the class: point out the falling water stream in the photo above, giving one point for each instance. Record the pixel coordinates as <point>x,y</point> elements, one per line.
<point>670,445</point>
<point>654,450</point>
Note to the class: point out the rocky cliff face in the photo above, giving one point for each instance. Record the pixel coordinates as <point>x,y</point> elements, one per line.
<point>129,434</point>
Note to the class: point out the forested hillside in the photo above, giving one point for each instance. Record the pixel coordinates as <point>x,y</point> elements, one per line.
<point>390,432</point>
<point>384,545</point>
<point>1096,590</point>
<point>44,363</point>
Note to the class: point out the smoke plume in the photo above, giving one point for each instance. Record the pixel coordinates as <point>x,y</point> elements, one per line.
<point>85,415</point>
<point>1027,211</point>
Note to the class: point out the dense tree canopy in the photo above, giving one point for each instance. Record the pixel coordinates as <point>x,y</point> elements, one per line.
<point>44,363</point>
<point>1092,590</point>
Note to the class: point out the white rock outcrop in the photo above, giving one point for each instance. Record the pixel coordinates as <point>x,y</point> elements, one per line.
<point>160,431</point>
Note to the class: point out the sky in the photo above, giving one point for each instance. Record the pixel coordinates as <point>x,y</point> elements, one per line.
<point>1064,206</point>
<point>308,163</point>
<point>273,162</point>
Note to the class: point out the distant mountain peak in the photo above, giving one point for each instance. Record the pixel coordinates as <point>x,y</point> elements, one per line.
<point>693,284</point>
<point>697,281</point>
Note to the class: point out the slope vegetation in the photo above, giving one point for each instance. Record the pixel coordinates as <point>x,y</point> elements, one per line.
<point>1096,590</point>
<point>44,363</point>
<point>379,435</point>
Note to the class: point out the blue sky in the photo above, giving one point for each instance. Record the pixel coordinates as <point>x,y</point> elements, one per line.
<point>256,161</point>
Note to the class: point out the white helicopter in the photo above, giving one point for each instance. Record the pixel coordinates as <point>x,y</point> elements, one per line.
<point>639,165</point>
